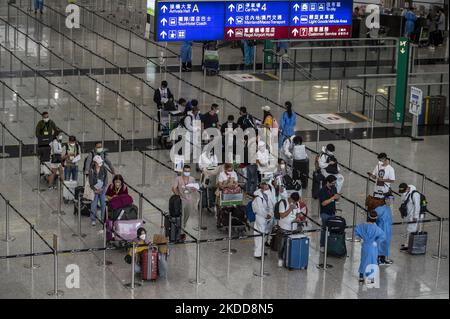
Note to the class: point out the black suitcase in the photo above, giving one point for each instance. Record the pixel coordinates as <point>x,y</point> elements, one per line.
<point>175,206</point>
<point>85,207</point>
<point>79,191</point>
<point>172,227</point>
<point>336,245</point>
<point>130,213</point>
<point>417,244</point>
<point>336,225</point>
<point>316,184</point>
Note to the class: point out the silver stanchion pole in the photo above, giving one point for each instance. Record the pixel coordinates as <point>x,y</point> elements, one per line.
<point>60,198</point>
<point>31,265</point>
<point>254,58</point>
<point>20,158</point>
<point>143,184</point>
<point>262,273</point>
<point>38,177</point>
<point>350,158</point>
<point>21,76</point>
<point>197,279</point>
<point>119,156</point>
<point>8,238</point>
<point>439,254</point>
<point>318,138</point>
<point>353,239</point>
<point>200,215</point>
<point>105,262</point>
<point>3,154</point>
<point>424,179</point>
<point>133,284</point>
<point>324,266</point>
<point>103,131</point>
<point>229,250</point>
<point>79,234</point>
<point>367,186</point>
<point>152,145</point>
<point>141,206</point>
<point>55,291</point>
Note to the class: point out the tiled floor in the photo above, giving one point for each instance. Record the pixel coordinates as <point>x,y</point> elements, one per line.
<point>226,276</point>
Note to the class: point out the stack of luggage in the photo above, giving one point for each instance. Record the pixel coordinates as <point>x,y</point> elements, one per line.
<point>231,202</point>
<point>172,223</point>
<point>44,155</point>
<point>85,203</point>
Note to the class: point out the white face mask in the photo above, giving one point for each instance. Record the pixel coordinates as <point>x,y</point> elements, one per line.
<point>284,195</point>
<point>381,163</point>
<point>118,185</point>
<point>283,166</point>
<point>60,138</point>
<point>142,237</point>
<point>46,120</point>
<point>72,144</point>
<point>187,174</point>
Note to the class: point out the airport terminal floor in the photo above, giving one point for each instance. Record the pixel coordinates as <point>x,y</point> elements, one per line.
<point>97,83</point>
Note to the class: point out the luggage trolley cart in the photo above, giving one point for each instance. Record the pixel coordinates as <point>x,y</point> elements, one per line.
<point>211,63</point>
<point>231,204</point>
<point>169,121</point>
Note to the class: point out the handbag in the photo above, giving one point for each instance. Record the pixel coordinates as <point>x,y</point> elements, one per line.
<point>88,192</point>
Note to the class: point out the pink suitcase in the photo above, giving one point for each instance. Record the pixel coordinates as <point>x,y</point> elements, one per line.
<point>127,229</point>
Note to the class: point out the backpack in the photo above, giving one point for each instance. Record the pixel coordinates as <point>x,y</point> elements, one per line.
<point>423,205</point>
<point>331,169</point>
<point>175,206</point>
<point>181,122</point>
<point>251,216</point>
<point>291,184</point>
<point>276,211</point>
<point>248,122</point>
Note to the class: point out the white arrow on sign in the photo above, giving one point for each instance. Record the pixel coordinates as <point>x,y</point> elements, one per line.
<point>230,33</point>
<point>295,32</point>
<point>164,8</point>
<point>402,51</point>
<point>230,20</point>
<point>296,6</point>
<point>296,19</point>
<point>164,21</point>
<point>163,34</point>
<point>231,7</point>
<point>402,43</point>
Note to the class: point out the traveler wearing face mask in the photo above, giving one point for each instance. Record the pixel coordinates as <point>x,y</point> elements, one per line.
<point>327,198</point>
<point>228,179</point>
<point>116,188</point>
<point>189,196</point>
<point>292,211</point>
<point>329,165</point>
<point>281,175</point>
<point>98,181</point>
<point>229,124</point>
<point>163,95</point>
<point>263,206</point>
<point>100,151</point>
<point>384,175</point>
<point>45,129</point>
<point>140,241</point>
<point>300,162</point>
<point>211,118</point>
<point>263,160</point>
<point>209,166</point>
<point>411,198</point>
<point>71,153</point>
<point>56,159</point>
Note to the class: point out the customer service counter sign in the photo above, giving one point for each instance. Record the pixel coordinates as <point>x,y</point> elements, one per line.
<point>252,20</point>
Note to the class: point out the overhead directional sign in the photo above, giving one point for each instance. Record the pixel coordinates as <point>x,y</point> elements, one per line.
<point>245,20</point>
<point>321,19</point>
<point>189,20</point>
<point>257,20</point>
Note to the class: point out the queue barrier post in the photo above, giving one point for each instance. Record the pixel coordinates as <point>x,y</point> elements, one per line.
<point>353,239</point>
<point>55,291</point>
<point>31,265</point>
<point>143,184</point>
<point>318,137</point>
<point>197,280</point>
<point>79,234</point>
<point>325,266</point>
<point>350,158</point>
<point>3,154</point>
<point>60,198</point>
<point>104,262</point>
<point>439,254</point>
<point>131,285</point>
<point>261,272</point>
<point>229,250</point>
<point>8,237</point>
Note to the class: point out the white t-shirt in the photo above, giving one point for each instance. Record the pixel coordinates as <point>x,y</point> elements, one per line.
<point>384,172</point>
<point>286,223</point>
<point>224,176</point>
<point>299,152</point>
<point>207,161</point>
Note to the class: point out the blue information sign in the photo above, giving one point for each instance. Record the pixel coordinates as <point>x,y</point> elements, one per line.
<point>190,20</point>
<point>235,20</point>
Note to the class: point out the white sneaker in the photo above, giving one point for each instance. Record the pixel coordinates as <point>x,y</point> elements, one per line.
<point>93,224</point>
<point>280,262</point>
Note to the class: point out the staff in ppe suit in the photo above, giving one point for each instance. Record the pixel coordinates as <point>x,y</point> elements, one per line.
<point>384,221</point>
<point>186,56</point>
<point>263,206</point>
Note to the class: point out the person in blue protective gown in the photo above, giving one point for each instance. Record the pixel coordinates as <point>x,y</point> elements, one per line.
<point>410,24</point>
<point>287,124</point>
<point>370,234</point>
<point>384,221</point>
<point>186,56</point>
<point>248,52</point>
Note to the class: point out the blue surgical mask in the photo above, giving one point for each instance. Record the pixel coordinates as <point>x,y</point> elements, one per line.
<point>187,174</point>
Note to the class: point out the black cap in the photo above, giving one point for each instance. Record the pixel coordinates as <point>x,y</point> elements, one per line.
<point>402,188</point>
<point>382,156</point>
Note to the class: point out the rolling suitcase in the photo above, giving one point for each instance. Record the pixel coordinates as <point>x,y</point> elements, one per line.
<point>301,171</point>
<point>149,264</point>
<point>297,252</point>
<point>172,227</point>
<point>85,207</point>
<point>336,225</point>
<point>336,245</point>
<point>316,184</point>
<point>69,190</point>
<point>127,229</point>
<point>417,242</point>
